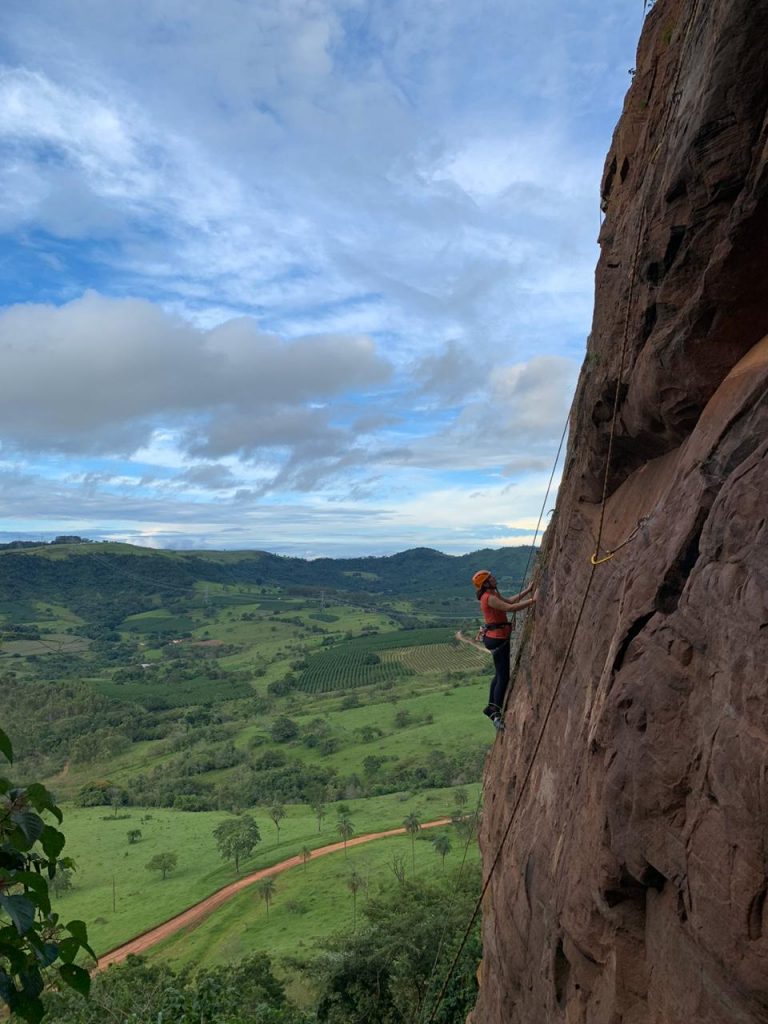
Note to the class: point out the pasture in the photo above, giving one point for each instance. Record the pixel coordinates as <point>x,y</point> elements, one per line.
<point>97,839</point>
<point>310,903</point>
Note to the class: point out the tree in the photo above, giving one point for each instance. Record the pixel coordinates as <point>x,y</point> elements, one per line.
<point>30,854</point>
<point>267,889</point>
<point>306,853</point>
<point>442,845</point>
<point>245,992</point>
<point>134,835</point>
<point>237,837</point>
<point>355,883</point>
<point>318,806</point>
<point>371,765</point>
<point>163,862</point>
<point>277,813</point>
<point>346,830</point>
<point>385,973</point>
<point>412,825</point>
<point>460,796</point>
<point>397,866</point>
<point>61,882</point>
<point>116,798</point>
<point>284,729</point>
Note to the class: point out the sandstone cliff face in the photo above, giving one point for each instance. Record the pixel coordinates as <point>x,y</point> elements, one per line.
<point>632,887</point>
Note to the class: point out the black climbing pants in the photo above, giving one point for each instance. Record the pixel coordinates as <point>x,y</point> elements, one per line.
<point>500,651</point>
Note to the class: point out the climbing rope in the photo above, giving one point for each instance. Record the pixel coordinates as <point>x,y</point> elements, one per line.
<point>546,496</point>
<point>454,894</point>
<point>642,522</point>
<point>595,559</point>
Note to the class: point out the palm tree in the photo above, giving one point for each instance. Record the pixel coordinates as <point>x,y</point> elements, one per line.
<point>346,829</point>
<point>267,890</point>
<point>412,825</point>
<point>355,883</point>
<point>306,853</point>
<point>460,796</point>
<point>442,845</point>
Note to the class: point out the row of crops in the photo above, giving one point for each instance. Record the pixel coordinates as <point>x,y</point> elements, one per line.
<point>386,657</point>
<point>341,670</point>
<point>439,658</point>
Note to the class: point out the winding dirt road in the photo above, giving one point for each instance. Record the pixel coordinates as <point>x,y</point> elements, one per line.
<point>196,913</point>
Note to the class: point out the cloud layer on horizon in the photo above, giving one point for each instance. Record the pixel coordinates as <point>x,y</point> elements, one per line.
<point>333,255</point>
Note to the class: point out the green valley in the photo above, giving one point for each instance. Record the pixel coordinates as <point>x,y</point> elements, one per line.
<point>159,694</point>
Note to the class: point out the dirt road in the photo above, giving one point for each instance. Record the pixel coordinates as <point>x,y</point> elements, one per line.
<point>195,914</point>
<point>471,641</point>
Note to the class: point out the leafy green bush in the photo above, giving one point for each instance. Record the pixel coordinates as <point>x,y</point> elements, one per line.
<point>246,992</point>
<point>34,940</point>
<point>391,970</point>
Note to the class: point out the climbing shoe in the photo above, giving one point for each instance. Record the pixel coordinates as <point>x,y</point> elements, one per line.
<point>498,722</point>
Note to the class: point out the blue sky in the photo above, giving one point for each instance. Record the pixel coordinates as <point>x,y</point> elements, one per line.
<point>313,276</point>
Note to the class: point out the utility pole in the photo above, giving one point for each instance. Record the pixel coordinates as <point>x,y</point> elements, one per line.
<point>114,903</point>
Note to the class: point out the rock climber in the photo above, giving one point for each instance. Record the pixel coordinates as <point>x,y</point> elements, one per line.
<point>496,633</point>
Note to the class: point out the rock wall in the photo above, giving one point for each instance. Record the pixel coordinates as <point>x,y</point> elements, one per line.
<point>632,886</point>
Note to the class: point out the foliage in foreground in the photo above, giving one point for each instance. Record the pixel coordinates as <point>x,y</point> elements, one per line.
<point>389,971</point>
<point>31,938</point>
<point>137,992</point>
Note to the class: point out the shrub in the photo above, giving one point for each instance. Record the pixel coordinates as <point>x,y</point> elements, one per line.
<point>284,729</point>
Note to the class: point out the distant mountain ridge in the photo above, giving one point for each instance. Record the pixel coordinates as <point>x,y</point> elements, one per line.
<point>88,575</point>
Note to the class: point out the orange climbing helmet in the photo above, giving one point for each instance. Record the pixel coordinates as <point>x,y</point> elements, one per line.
<point>480,577</point>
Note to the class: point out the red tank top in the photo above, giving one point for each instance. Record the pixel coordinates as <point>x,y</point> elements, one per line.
<point>494,617</point>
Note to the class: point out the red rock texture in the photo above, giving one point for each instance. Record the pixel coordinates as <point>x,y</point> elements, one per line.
<point>632,886</point>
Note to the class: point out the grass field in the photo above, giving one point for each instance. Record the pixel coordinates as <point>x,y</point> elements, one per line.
<point>158,622</point>
<point>98,842</point>
<point>50,643</point>
<point>455,709</point>
<point>311,903</point>
<point>176,693</point>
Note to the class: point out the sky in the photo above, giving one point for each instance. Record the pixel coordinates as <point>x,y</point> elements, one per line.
<point>309,276</point>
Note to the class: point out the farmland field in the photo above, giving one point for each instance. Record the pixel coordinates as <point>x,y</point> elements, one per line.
<point>175,693</point>
<point>401,638</point>
<point>158,622</point>
<point>370,659</point>
<point>426,658</point>
<point>341,670</point>
<point>51,643</point>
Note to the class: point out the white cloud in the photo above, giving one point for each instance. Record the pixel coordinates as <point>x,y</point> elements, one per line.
<point>301,197</point>
<point>101,375</point>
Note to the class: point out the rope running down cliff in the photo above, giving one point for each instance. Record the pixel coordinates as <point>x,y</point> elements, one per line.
<point>475,816</point>
<point>594,561</point>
